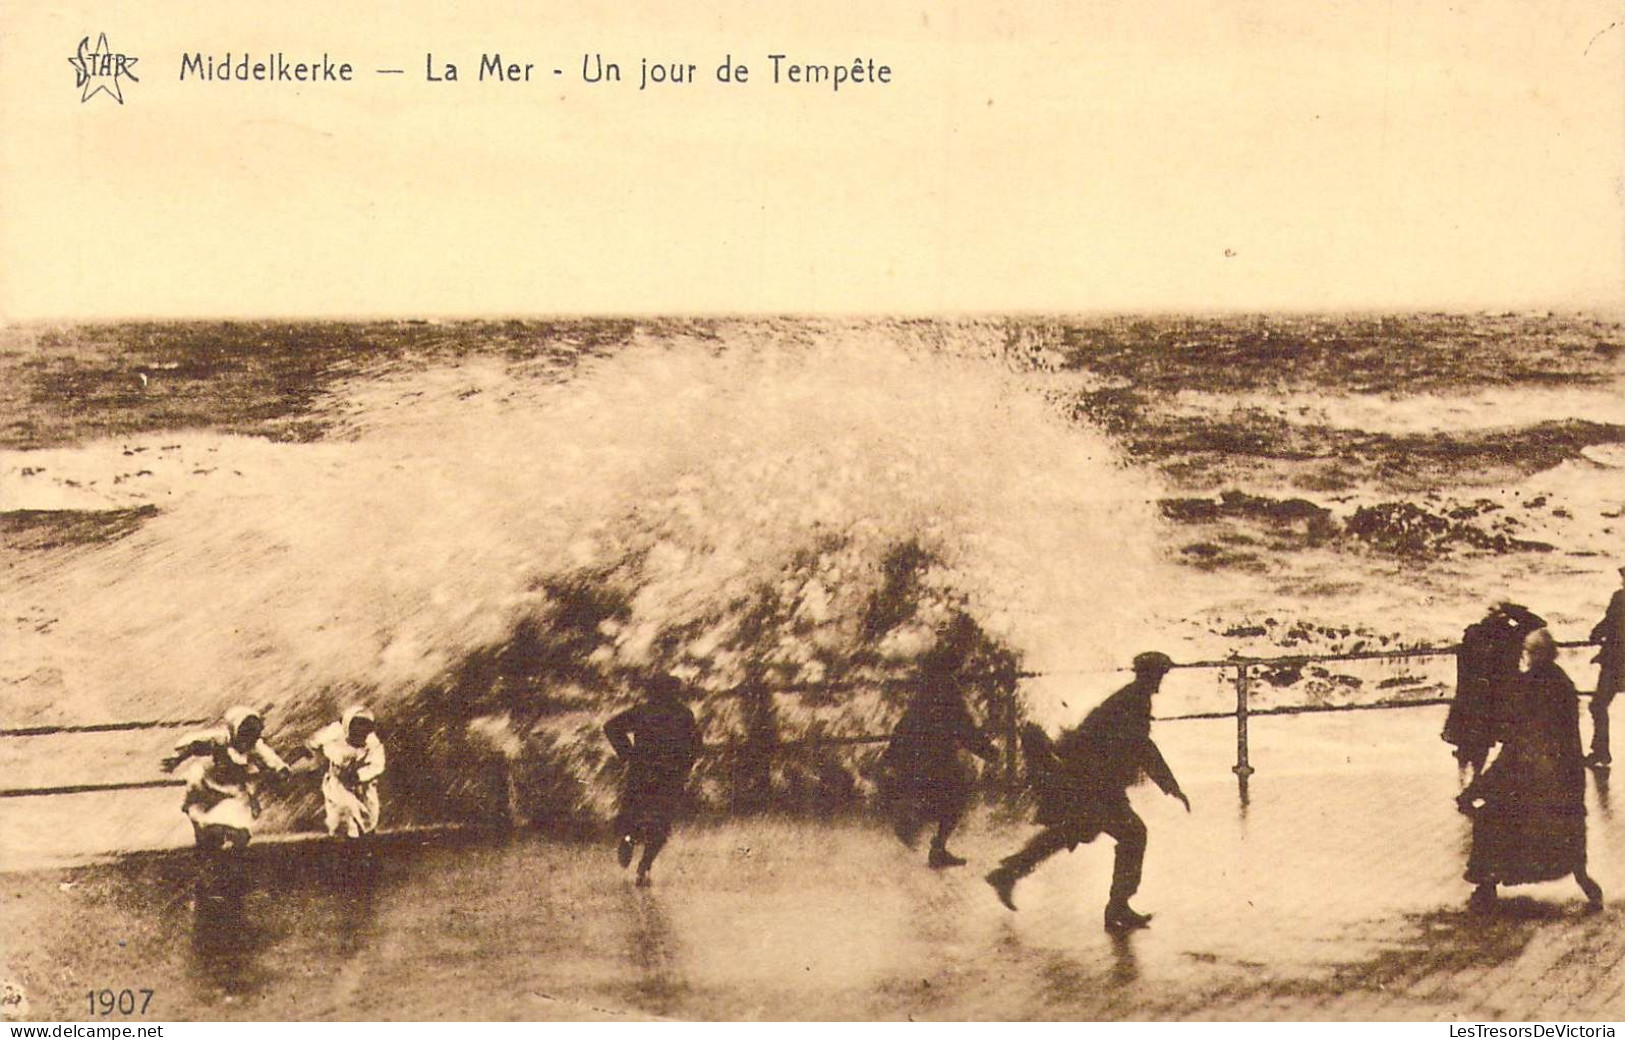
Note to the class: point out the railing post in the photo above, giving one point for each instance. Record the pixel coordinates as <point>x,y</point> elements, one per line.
<point>752,767</point>
<point>1242,768</point>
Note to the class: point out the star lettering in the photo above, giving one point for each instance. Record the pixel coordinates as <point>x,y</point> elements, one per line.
<point>99,69</point>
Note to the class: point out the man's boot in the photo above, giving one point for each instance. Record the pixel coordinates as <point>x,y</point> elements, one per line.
<point>1120,917</point>
<point>623,851</point>
<point>1592,890</point>
<point>940,857</point>
<point>1003,880</point>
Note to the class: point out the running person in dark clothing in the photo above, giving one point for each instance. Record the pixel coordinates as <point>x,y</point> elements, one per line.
<point>1083,780</point>
<point>925,781</point>
<point>1610,632</point>
<point>659,741</point>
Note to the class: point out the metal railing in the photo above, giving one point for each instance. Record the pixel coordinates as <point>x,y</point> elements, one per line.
<point>1008,724</point>
<point>1244,710</point>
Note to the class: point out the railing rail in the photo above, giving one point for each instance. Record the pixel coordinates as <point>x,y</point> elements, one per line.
<point>1243,711</point>
<point>122,785</point>
<point>102,727</point>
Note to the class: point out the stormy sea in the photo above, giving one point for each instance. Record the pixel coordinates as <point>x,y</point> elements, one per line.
<point>491,530</point>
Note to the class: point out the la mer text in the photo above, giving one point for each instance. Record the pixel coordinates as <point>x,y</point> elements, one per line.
<point>492,67</point>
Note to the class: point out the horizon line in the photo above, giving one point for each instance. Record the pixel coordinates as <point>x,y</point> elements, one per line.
<point>1614,311</point>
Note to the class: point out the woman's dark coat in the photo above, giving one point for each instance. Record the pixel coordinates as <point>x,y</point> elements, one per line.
<point>1532,824</point>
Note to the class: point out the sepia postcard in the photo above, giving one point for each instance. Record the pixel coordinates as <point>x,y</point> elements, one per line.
<point>812,511</point>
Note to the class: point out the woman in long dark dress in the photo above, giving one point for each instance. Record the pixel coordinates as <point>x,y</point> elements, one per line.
<point>1528,807</point>
<point>923,781</point>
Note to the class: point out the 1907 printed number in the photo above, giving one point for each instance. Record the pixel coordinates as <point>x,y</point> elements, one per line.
<point>123,1002</point>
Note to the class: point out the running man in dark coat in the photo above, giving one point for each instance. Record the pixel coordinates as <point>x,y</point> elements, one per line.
<point>1610,632</point>
<point>659,741</point>
<point>1082,782</point>
<point>1486,668</point>
<point>924,779</point>
<point>1528,808</point>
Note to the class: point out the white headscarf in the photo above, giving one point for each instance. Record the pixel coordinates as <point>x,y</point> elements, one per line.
<point>236,716</point>
<point>353,712</point>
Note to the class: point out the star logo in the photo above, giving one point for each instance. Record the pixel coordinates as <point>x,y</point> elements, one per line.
<point>98,70</point>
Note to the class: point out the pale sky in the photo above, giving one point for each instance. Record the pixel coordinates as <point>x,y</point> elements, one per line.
<point>1121,155</point>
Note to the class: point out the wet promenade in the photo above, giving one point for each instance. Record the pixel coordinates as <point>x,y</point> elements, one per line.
<point>1334,894</point>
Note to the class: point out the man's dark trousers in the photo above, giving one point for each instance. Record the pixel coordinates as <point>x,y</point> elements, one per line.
<point>1115,818</point>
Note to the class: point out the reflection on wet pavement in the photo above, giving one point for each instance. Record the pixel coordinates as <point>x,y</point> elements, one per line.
<point>1336,895</point>
<point>226,940</point>
<point>653,954</point>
